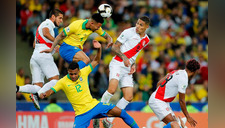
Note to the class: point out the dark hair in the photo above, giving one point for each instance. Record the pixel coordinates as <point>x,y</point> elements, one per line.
<point>53,100</point>
<point>97,17</point>
<point>145,19</point>
<point>73,65</point>
<point>55,12</point>
<point>192,65</point>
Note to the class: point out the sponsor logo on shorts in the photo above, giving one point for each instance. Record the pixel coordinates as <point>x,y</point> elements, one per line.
<point>167,109</point>
<point>117,74</point>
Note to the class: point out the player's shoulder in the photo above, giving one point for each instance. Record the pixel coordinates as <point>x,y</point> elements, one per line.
<point>130,30</point>
<point>182,74</point>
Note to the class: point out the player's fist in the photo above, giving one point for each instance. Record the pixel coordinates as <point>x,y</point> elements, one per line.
<point>42,95</point>
<point>96,44</point>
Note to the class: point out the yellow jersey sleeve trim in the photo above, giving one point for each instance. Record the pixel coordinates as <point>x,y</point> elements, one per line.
<point>103,34</point>
<point>64,31</point>
<point>91,67</point>
<point>54,90</point>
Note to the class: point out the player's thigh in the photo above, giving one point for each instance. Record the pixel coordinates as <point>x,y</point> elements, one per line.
<point>36,71</point>
<point>48,67</point>
<point>115,112</point>
<point>81,56</point>
<point>127,93</point>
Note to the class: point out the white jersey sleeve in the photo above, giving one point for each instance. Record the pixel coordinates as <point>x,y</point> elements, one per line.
<point>182,84</point>
<point>123,37</point>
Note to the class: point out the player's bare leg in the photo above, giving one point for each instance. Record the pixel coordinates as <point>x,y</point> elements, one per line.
<point>81,58</point>
<point>170,121</point>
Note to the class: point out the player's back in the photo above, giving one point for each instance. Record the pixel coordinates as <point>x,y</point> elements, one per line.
<point>41,42</point>
<point>174,82</point>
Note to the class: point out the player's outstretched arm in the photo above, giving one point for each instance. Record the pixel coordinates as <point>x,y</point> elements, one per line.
<point>109,40</point>
<point>116,49</point>
<point>60,37</point>
<point>184,109</point>
<point>97,58</point>
<point>46,94</point>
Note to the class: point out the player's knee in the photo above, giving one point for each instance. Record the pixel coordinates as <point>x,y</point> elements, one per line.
<point>86,60</point>
<point>174,124</point>
<point>128,98</point>
<point>111,90</point>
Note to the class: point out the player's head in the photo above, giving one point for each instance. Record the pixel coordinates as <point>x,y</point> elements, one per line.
<point>142,24</point>
<point>73,71</point>
<point>192,66</point>
<point>96,21</point>
<point>56,16</point>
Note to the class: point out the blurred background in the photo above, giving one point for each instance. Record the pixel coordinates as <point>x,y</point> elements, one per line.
<point>178,31</point>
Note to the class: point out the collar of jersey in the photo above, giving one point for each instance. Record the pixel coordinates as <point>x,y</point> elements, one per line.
<point>83,25</point>
<point>68,76</point>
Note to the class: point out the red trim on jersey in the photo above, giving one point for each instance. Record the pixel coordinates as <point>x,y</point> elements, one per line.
<point>134,50</point>
<point>161,90</point>
<point>160,95</point>
<point>41,40</point>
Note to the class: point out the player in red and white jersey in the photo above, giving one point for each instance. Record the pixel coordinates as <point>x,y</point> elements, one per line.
<point>127,47</point>
<point>42,64</point>
<point>168,87</point>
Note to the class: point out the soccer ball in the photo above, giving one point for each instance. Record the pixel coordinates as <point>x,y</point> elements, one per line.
<point>105,10</point>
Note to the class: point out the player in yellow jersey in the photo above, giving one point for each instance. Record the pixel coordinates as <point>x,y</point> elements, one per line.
<point>76,87</point>
<point>75,35</point>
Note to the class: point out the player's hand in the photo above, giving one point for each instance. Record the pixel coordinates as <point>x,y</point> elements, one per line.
<point>191,121</point>
<point>46,51</point>
<point>42,95</point>
<point>96,44</point>
<point>126,62</point>
<point>132,69</point>
<point>110,44</point>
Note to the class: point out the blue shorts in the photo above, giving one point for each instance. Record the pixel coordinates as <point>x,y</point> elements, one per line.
<point>67,52</point>
<point>99,111</point>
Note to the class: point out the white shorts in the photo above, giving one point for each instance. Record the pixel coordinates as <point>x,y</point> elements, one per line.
<point>118,71</point>
<point>41,65</point>
<point>159,107</point>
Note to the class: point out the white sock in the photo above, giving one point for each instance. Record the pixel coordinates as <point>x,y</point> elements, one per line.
<point>122,103</point>
<point>47,86</point>
<point>106,97</point>
<point>29,88</point>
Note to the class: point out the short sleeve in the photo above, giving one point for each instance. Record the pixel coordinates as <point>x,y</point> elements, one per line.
<point>58,86</point>
<point>123,37</point>
<point>48,25</point>
<point>72,28</point>
<point>100,32</point>
<point>87,70</point>
<point>182,85</point>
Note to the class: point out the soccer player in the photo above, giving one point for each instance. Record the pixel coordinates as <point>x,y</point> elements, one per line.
<point>76,87</point>
<point>74,37</point>
<point>42,64</point>
<point>168,87</point>
<point>122,66</point>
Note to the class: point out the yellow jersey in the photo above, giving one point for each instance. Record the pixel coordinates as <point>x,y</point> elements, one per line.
<point>76,33</point>
<point>78,92</point>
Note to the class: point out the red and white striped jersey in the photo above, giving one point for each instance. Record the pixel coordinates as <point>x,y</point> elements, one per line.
<point>41,42</point>
<point>132,44</point>
<point>176,81</point>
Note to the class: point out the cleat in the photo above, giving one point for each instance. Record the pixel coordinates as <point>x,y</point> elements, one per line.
<point>95,123</point>
<point>34,99</point>
<point>107,124</point>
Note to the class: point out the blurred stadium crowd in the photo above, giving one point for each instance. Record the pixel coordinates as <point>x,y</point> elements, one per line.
<point>178,32</point>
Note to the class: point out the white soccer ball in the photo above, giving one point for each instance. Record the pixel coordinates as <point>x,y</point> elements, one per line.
<point>105,10</point>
